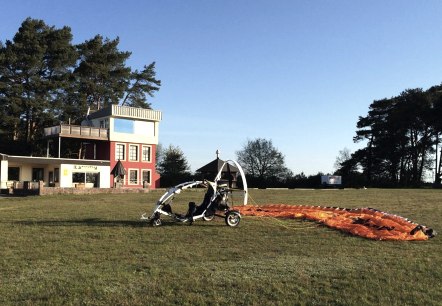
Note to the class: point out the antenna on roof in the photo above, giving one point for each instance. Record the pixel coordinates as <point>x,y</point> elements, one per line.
<point>217,154</point>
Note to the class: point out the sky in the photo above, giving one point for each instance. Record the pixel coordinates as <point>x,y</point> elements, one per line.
<point>298,73</point>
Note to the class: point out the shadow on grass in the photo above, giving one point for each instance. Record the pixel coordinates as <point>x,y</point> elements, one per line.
<point>85,222</point>
<point>6,196</point>
<point>100,223</point>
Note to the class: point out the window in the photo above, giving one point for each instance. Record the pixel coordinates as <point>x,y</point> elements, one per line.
<point>133,177</point>
<point>146,176</point>
<point>133,152</point>
<point>119,151</point>
<point>92,178</point>
<point>78,177</point>
<point>124,126</point>
<point>146,153</point>
<point>104,124</point>
<point>13,173</point>
<point>56,175</point>
<point>37,174</point>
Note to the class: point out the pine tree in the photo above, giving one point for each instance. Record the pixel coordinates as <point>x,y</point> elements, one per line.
<point>102,74</point>
<point>173,166</point>
<point>34,68</point>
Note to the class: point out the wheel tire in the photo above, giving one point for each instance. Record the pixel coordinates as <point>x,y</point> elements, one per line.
<point>233,218</point>
<point>156,222</point>
<point>208,218</point>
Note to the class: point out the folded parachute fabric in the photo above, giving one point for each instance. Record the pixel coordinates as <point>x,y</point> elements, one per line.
<point>365,222</point>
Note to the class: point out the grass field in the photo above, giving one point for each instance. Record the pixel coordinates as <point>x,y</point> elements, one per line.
<point>94,250</point>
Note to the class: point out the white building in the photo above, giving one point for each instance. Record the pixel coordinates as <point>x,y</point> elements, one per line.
<point>112,134</point>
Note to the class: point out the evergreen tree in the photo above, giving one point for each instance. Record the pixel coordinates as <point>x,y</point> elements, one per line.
<point>34,69</point>
<point>400,136</point>
<point>173,167</point>
<point>142,83</point>
<point>435,96</point>
<point>101,74</point>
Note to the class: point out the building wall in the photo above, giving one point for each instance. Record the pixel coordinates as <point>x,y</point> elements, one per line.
<point>66,171</point>
<point>129,126</point>
<point>130,130</point>
<point>3,173</point>
<point>26,170</point>
<point>134,165</point>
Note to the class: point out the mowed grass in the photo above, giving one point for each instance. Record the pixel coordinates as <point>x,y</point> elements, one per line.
<point>94,250</point>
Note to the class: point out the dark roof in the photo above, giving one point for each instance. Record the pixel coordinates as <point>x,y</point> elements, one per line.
<point>118,169</point>
<point>215,166</point>
<point>104,112</point>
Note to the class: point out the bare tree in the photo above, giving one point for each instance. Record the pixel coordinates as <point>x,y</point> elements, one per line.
<point>262,160</point>
<point>342,157</point>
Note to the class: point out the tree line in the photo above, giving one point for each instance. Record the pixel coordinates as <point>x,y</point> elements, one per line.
<point>402,136</point>
<point>263,163</point>
<point>45,79</point>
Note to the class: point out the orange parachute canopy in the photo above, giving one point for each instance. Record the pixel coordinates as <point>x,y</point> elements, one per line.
<point>365,222</point>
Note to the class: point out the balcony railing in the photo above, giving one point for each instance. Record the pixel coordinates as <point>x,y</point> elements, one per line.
<point>77,131</point>
<point>135,112</point>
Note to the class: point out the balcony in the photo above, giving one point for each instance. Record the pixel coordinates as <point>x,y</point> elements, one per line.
<point>77,131</point>
<point>127,112</point>
<point>136,113</point>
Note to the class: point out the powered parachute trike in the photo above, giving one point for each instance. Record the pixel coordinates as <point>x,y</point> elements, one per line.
<point>216,202</point>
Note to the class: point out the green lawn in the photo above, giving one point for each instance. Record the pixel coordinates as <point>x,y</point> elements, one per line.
<point>94,250</point>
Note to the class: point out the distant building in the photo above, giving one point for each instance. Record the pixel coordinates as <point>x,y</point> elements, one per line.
<point>108,135</point>
<point>228,175</point>
<point>331,180</point>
